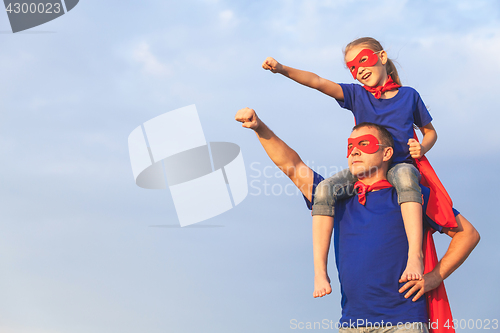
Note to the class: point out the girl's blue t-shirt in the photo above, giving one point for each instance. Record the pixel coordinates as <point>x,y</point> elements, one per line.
<point>397,114</point>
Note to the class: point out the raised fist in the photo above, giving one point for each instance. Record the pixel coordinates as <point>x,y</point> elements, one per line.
<point>248,117</point>
<point>272,65</point>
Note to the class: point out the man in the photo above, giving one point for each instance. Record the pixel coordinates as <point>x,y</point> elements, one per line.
<point>370,240</point>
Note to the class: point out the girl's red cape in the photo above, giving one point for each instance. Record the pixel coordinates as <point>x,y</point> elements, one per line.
<point>439,209</point>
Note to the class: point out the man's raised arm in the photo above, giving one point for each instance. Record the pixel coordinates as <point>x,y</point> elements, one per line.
<point>280,153</point>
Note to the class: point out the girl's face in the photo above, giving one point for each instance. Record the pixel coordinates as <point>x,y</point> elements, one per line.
<point>373,74</point>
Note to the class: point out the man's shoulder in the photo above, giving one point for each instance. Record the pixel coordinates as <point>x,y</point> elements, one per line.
<point>317,178</point>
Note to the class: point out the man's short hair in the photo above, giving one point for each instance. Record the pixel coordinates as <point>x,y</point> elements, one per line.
<point>385,135</point>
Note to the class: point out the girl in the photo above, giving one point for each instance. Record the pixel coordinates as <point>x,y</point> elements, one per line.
<point>383,101</point>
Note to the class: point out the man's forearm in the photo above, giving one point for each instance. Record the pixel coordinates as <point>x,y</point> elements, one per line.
<point>464,240</point>
<point>280,153</point>
<point>283,156</point>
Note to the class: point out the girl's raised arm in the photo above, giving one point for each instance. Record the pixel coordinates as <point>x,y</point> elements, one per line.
<point>305,78</point>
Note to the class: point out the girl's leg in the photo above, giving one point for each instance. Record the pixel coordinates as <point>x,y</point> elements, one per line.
<point>405,178</point>
<point>412,218</point>
<point>339,186</point>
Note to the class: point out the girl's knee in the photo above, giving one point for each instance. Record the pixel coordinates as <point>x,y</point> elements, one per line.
<point>405,177</point>
<point>323,194</point>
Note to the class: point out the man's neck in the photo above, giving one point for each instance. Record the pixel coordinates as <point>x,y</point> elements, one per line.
<point>372,180</point>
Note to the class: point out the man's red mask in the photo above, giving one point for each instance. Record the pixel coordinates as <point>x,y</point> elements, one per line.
<point>366,143</point>
<point>365,58</point>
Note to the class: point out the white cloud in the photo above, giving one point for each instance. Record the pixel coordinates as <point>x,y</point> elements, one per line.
<point>228,18</point>
<point>226,15</point>
<point>151,65</point>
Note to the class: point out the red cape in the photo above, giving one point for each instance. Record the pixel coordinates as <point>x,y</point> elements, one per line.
<point>439,209</point>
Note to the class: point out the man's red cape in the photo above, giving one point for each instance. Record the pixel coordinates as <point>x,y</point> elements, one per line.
<point>439,209</point>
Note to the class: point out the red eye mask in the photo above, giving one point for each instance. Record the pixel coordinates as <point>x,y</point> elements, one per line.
<point>365,58</point>
<point>366,143</point>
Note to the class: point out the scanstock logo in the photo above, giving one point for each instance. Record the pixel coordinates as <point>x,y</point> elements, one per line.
<point>205,178</point>
<point>26,14</point>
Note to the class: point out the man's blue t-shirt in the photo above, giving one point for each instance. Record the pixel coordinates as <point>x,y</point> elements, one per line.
<point>371,251</point>
<point>397,114</point>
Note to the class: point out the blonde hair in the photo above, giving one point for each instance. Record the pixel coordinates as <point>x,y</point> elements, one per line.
<point>375,46</point>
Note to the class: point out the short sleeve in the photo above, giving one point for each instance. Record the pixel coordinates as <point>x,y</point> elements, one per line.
<point>348,90</point>
<point>316,180</point>
<point>421,115</point>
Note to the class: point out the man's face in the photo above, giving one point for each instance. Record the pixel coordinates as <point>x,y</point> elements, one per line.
<point>362,164</point>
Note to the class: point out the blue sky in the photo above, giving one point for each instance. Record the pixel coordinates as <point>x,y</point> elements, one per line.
<point>84,249</point>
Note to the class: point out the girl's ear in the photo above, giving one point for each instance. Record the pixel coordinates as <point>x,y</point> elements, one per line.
<point>383,57</point>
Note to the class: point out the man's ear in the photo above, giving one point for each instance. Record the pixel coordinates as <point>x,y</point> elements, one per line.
<point>383,57</point>
<point>388,152</point>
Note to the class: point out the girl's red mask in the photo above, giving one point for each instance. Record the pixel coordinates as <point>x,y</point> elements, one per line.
<point>366,143</point>
<point>365,58</point>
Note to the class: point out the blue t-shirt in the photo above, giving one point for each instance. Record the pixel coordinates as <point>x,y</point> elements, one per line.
<point>371,251</point>
<point>397,114</point>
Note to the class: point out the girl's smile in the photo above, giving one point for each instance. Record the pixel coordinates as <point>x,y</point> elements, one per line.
<point>367,66</point>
